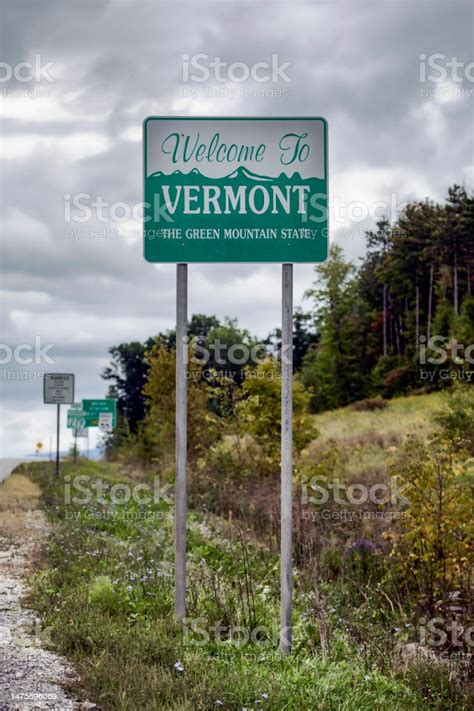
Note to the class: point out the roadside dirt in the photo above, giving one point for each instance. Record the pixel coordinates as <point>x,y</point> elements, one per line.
<point>31,677</point>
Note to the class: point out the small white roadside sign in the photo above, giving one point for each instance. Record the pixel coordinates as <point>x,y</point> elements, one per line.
<point>58,388</point>
<point>106,421</point>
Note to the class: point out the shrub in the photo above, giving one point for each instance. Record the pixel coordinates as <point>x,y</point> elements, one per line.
<point>457,420</point>
<point>432,546</point>
<point>157,433</point>
<point>398,381</point>
<point>102,594</point>
<point>393,375</point>
<point>369,404</point>
<point>259,412</point>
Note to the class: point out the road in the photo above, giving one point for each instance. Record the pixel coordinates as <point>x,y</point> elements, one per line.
<point>7,466</point>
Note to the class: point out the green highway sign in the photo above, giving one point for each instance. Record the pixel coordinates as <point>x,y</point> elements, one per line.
<point>75,418</point>
<point>235,189</point>
<point>94,408</point>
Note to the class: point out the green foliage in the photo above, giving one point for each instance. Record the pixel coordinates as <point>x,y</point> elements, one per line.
<point>127,375</point>
<point>334,370</point>
<point>385,375</point>
<point>304,337</point>
<point>444,319</point>
<point>103,595</point>
<point>433,546</point>
<point>415,280</point>
<point>457,421</point>
<point>260,410</point>
<point>200,325</point>
<point>158,427</point>
<point>228,351</point>
<point>466,321</point>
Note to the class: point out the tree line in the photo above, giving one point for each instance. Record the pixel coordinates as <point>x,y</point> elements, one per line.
<point>360,335</point>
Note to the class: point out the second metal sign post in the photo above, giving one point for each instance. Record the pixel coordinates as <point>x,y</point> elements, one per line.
<point>180,495</point>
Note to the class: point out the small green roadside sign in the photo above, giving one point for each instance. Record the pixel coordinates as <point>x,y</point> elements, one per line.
<point>75,416</point>
<point>76,419</point>
<point>235,189</point>
<point>94,408</point>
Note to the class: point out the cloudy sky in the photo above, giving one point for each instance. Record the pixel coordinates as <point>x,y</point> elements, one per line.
<point>72,123</point>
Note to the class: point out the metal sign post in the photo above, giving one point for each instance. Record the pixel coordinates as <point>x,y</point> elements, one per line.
<point>286,457</point>
<point>75,447</point>
<point>58,418</point>
<point>181,440</point>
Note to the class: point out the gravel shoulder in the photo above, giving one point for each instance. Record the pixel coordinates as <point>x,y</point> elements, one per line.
<point>32,677</point>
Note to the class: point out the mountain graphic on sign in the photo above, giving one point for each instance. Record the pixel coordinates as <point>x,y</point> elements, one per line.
<point>159,173</point>
<point>243,174</point>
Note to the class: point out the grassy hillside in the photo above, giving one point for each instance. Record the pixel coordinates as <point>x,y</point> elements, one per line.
<point>370,439</point>
<point>402,416</point>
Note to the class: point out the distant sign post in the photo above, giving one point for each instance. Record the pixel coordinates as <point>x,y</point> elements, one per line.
<point>236,190</point>
<point>75,420</point>
<point>58,389</point>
